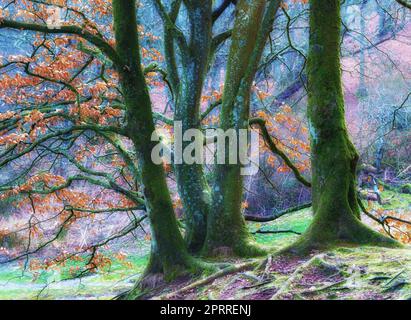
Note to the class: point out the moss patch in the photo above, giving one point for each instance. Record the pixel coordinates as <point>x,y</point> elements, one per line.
<point>56,284</point>
<point>298,221</point>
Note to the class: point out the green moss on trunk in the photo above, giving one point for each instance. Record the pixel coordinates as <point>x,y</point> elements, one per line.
<point>192,184</point>
<point>227,232</point>
<point>169,256</point>
<point>334,158</point>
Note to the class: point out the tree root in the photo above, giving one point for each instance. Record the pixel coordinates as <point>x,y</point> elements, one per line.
<point>348,232</point>
<point>296,275</point>
<point>326,287</point>
<point>201,282</point>
<point>317,262</point>
<point>153,282</point>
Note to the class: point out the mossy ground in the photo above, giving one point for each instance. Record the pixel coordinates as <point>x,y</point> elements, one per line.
<point>56,284</point>
<point>349,273</point>
<point>345,273</point>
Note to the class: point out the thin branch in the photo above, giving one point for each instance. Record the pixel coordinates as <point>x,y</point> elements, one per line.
<point>93,39</point>
<point>268,139</point>
<point>220,10</point>
<point>170,25</point>
<point>275,232</point>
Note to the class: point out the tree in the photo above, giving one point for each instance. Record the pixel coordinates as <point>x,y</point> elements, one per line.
<point>334,157</point>
<point>192,57</point>
<point>220,223</point>
<point>226,228</point>
<point>169,255</point>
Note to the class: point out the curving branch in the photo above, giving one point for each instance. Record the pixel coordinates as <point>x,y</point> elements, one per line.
<point>96,40</point>
<point>219,39</point>
<point>170,26</point>
<point>58,133</point>
<point>210,108</point>
<point>220,9</point>
<point>271,144</point>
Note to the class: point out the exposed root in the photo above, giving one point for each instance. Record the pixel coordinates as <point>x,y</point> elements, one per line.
<point>294,276</point>
<point>348,232</point>
<point>316,262</point>
<point>324,288</point>
<point>242,249</point>
<point>151,283</point>
<point>201,282</point>
<point>396,282</point>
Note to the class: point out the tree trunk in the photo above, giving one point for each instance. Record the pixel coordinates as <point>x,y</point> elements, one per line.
<point>169,255</point>
<point>334,157</point>
<point>227,232</point>
<point>192,184</point>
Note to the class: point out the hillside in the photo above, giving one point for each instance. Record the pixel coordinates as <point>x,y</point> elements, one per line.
<point>346,273</point>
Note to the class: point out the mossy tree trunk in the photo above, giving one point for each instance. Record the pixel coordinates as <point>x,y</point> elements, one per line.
<point>227,232</point>
<point>192,184</point>
<point>334,157</point>
<point>168,255</point>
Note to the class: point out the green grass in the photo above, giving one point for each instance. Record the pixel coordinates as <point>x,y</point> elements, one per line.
<point>58,284</point>
<point>396,201</point>
<point>297,221</point>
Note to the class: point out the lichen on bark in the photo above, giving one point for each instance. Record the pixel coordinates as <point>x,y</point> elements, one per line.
<point>187,89</point>
<point>169,256</point>
<point>333,155</point>
<point>226,228</point>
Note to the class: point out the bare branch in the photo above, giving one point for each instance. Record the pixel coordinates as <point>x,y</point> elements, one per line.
<point>268,139</point>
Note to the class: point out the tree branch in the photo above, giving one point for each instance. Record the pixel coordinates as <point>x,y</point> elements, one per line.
<point>93,39</point>
<point>261,123</point>
<point>255,218</point>
<point>170,25</point>
<point>220,10</point>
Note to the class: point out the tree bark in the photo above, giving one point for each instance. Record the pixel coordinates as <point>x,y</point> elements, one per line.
<point>192,184</point>
<point>226,228</point>
<point>168,255</point>
<point>334,157</point>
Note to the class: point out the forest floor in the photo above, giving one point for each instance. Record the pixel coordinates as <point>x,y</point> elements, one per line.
<point>342,273</point>
<point>345,273</point>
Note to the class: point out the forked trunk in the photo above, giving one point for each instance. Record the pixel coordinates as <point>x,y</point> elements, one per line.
<point>227,232</point>
<point>192,184</point>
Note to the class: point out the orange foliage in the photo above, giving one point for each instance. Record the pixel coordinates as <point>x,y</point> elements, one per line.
<point>290,136</point>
